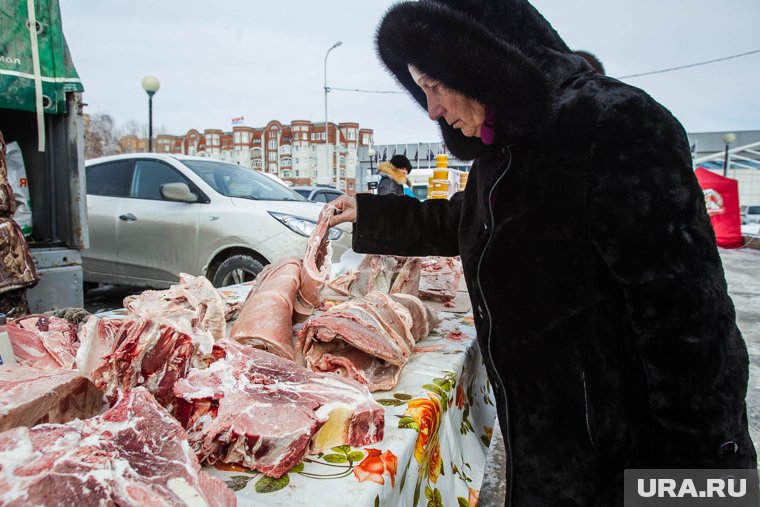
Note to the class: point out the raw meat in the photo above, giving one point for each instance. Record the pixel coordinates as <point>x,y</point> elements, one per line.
<point>266,318</point>
<point>133,455</point>
<point>439,280</point>
<point>30,396</point>
<point>423,318</point>
<point>140,353</point>
<point>369,339</point>
<point>316,264</point>
<point>193,306</point>
<point>407,281</point>
<point>383,273</point>
<point>260,411</point>
<point>46,342</point>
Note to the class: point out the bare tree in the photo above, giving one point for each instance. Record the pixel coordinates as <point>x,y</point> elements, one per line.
<point>100,135</point>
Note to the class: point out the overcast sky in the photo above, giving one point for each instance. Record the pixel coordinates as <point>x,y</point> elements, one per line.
<point>264,60</point>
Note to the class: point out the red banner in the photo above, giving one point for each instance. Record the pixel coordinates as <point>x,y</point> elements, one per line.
<point>722,201</point>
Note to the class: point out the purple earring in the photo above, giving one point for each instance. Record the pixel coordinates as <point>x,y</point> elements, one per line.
<point>488,129</point>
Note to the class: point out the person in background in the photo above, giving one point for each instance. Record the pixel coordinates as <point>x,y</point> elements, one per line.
<point>598,293</point>
<point>394,175</point>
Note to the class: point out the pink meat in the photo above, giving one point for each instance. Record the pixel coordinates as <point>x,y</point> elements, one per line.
<point>193,306</point>
<point>31,396</point>
<point>407,280</point>
<point>260,411</point>
<point>133,455</point>
<point>369,339</point>
<point>42,341</point>
<point>266,318</point>
<point>439,280</point>
<point>316,264</point>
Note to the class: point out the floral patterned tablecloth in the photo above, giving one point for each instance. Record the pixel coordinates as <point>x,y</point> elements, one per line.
<point>438,425</point>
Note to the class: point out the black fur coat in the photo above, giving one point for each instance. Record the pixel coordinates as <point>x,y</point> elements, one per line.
<point>599,295</point>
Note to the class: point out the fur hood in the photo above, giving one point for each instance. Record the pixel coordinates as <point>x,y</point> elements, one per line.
<point>502,53</point>
<point>392,172</point>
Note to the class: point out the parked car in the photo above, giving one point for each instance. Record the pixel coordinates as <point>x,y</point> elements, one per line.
<point>153,216</point>
<point>318,194</point>
<point>751,214</point>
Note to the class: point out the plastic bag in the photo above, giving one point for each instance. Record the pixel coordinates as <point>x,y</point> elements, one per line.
<point>20,185</point>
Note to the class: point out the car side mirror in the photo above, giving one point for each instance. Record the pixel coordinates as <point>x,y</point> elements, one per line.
<point>178,192</point>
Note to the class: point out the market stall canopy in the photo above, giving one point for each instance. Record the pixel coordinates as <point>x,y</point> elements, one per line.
<point>722,201</point>
<point>36,70</point>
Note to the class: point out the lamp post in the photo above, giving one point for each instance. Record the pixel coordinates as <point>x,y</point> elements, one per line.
<point>151,85</point>
<point>371,154</point>
<point>327,134</point>
<point>728,138</point>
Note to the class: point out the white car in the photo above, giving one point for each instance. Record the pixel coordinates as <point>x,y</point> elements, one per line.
<point>153,216</point>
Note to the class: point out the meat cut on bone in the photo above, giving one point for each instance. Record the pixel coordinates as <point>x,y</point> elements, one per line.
<point>315,271</point>
<point>30,396</point>
<point>263,412</point>
<point>369,339</point>
<point>42,341</point>
<point>135,454</point>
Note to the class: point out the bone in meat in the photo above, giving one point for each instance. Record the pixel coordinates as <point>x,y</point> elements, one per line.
<point>369,339</point>
<point>30,396</point>
<point>316,264</point>
<point>135,454</point>
<point>260,411</point>
<point>43,341</point>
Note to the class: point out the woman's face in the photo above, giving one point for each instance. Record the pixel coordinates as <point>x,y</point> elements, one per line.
<point>459,111</point>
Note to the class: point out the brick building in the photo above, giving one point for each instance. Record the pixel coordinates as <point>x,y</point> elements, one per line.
<point>297,152</point>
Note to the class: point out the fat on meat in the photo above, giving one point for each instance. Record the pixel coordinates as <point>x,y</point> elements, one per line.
<point>439,280</point>
<point>369,339</point>
<point>263,412</point>
<point>43,341</point>
<point>407,279</point>
<point>382,273</point>
<point>266,318</point>
<point>31,396</point>
<point>135,454</point>
<point>193,306</point>
<point>315,271</point>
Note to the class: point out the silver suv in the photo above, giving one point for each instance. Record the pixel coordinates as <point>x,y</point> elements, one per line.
<point>153,216</point>
<point>751,214</point>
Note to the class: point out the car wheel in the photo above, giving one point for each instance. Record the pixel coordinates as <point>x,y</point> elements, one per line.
<point>236,269</point>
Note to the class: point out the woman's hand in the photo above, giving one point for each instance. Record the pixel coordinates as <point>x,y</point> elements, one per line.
<point>346,210</point>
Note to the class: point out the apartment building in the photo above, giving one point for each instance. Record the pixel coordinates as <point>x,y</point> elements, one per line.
<point>302,152</point>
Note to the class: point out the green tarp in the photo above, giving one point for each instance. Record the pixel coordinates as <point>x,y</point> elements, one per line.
<point>17,62</point>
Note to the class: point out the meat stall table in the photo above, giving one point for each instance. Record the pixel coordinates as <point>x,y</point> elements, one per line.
<point>438,425</point>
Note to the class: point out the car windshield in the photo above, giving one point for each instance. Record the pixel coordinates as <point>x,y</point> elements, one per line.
<point>753,210</point>
<point>235,181</point>
<point>303,191</point>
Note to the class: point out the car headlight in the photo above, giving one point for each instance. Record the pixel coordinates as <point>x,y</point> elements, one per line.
<point>303,226</point>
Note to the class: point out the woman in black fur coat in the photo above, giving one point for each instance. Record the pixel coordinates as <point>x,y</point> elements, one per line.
<point>599,296</point>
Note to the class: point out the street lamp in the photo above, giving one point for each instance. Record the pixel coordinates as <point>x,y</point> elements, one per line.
<point>728,138</point>
<point>151,85</point>
<point>327,134</point>
<point>371,154</point>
